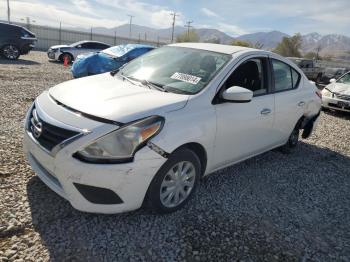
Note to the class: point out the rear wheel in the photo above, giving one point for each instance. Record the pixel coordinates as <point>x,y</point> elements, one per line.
<point>318,79</point>
<point>175,182</point>
<point>10,52</point>
<point>292,142</point>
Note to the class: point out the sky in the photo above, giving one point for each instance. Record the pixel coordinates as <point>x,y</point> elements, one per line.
<point>234,17</point>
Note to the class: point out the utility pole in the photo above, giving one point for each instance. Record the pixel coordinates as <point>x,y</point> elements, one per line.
<point>174,15</point>
<point>8,11</point>
<point>60,34</point>
<point>115,37</point>
<point>91,33</point>
<point>131,16</point>
<point>188,25</point>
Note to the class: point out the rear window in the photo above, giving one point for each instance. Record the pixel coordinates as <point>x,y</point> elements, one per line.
<point>285,77</point>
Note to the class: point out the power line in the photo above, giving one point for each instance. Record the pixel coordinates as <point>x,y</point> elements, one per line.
<point>131,16</point>
<point>188,25</point>
<point>174,15</point>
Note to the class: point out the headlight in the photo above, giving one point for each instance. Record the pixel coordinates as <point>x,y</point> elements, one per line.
<point>326,92</point>
<point>121,145</point>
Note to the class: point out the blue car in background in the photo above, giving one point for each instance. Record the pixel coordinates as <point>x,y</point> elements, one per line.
<point>107,60</point>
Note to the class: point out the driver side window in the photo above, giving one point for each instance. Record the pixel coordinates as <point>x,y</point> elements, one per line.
<point>251,74</point>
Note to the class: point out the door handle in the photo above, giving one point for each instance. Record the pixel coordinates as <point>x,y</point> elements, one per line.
<point>301,103</point>
<point>265,111</point>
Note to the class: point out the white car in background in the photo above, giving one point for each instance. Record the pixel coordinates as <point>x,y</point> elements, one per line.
<point>70,52</point>
<point>150,130</point>
<point>336,95</point>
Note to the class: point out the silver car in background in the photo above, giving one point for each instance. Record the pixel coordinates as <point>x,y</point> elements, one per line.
<point>70,52</point>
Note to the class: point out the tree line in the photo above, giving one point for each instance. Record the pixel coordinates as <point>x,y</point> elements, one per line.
<point>288,47</point>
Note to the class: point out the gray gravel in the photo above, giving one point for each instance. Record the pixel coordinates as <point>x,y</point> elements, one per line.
<point>274,207</point>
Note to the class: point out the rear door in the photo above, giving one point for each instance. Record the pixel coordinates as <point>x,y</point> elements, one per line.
<point>245,129</point>
<point>290,99</point>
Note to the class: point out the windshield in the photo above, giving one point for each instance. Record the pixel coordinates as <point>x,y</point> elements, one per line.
<point>177,69</point>
<point>345,79</point>
<point>118,51</point>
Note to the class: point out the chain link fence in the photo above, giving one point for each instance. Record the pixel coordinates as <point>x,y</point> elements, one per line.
<point>49,36</point>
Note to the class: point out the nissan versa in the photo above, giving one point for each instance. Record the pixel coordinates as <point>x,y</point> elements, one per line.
<point>148,132</point>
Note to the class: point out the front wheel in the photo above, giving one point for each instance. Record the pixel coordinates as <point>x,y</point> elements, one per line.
<point>10,52</point>
<point>175,182</point>
<point>67,57</point>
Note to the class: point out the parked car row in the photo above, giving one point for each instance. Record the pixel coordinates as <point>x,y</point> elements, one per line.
<point>148,132</point>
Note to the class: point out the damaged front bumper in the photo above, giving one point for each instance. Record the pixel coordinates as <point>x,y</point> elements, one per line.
<point>97,188</point>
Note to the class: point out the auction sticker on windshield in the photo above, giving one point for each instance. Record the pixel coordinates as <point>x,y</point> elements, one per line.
<point>186,78</point>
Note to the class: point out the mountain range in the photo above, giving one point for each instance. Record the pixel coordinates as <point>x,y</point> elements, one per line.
<point>334,45</point>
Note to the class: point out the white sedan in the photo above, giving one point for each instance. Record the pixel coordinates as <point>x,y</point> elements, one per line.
<point>150,131</point>
<point>336,95</point>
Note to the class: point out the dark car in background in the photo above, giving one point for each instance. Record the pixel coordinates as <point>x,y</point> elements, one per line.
<point>310,67</point>
<point>107,60</point>
<point>70,52</point>
<point>15,41</point>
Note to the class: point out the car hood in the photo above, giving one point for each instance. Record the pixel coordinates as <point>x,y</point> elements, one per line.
<point>115,99</point>
<point>339,88</point>
<point>58,46</point>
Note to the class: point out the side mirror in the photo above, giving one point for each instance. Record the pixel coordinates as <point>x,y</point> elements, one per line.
<point>237,94</point>
<point>332,80</point>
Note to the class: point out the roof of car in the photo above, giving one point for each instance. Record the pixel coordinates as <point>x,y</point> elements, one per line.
<point>7,24</point>
<point>89,41</point>
<point>226,49</point>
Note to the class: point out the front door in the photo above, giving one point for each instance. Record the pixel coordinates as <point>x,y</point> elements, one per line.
<point>245,129</point>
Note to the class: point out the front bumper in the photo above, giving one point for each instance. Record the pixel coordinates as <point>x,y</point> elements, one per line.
<point>62,173</point>
<point>335,103</point>
<point>53,55</point>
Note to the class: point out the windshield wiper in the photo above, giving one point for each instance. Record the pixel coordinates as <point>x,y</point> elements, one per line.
<point>328,90</point>
<point>176,90</point>
<point>153,85</point>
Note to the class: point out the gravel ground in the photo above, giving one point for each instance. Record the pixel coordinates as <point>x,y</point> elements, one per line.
<point>274,207</point>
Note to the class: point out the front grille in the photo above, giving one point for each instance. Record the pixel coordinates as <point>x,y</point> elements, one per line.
<point>338,106</point>
<point>47,135</point>
<point>344,97</point>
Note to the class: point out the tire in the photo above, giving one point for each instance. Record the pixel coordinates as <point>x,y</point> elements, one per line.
<point>167,179</point>
<point>292,142</point>
<point>69,57</point>
<point>10,52</point>
<point>318,79</point>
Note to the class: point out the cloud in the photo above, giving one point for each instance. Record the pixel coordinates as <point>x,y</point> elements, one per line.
<point>145,14</point>
<point>51,15</point>
<point>83,6</point>
<point>163,19</point>
<point>231,29</point>
<point>208,12</point>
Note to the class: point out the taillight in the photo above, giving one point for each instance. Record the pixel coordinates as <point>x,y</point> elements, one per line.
<point>319,94</point>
